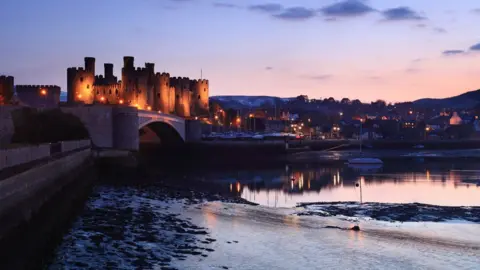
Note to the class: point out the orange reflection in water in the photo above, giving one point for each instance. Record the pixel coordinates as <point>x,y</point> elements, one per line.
<point>438,188</point>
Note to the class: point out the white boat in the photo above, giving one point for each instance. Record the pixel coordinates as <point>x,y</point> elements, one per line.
<point>364,161</point>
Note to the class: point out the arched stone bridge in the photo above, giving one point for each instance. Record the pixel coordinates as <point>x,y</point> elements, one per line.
<point>146,118</point>
<point>119,127</point>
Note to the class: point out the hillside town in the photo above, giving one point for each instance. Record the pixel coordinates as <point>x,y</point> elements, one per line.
<point>345,119</point>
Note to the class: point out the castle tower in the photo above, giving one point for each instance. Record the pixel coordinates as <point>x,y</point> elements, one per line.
<point>128,80</point>
<point>150,87</point>
<point>162,93</point>
<point>90,65</point>
<point>183,96</point>
<point>108,72</point>
<point>80,86</point>
<point>6,89</point>
<point>200,97</point>
<point>128,62</point>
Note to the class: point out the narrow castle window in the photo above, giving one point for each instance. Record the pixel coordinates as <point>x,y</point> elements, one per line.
<point>81,79</point>
<point>88,86</point>
<point>98,92</point>
<point>166,84</point>
<point>158,95</point>
<point>110,91</point>
<point>198,97</point>
<point>116,92</point>
<point>204,89</point>
<point>104,91</point>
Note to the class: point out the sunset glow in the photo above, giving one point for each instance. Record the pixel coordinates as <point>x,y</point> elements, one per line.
<point>424,50</point>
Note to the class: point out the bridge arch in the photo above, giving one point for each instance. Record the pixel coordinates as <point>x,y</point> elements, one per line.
<point>169,129</point>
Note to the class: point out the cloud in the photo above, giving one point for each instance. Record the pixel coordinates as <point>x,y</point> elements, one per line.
<point>268,68</point>
<point>412,70</point>
<point>475,47</point>
<point>347,8</point>
<point>296,14</point>
<point>439,30</point>
<point>402,14</point>
<point>452,52</point>
<point>476,10</point>
<point>418,60</point>
<point>225,5</point>
<point>268,8</point>
<point>321,77</point>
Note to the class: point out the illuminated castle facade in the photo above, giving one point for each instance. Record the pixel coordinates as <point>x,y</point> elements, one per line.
<point>139,87</point>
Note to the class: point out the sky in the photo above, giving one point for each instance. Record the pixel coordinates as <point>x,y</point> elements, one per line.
<point>396,50</point>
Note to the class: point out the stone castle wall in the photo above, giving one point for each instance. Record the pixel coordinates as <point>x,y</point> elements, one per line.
<point>39,96</point>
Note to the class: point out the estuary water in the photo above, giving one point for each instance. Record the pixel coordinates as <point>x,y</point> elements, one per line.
<point>412,215</point>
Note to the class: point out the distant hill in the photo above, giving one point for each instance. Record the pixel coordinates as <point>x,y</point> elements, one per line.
<point>239,102</point>
<point>466,100</point>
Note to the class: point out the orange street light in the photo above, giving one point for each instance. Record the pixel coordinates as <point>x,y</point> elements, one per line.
<point>102,99</point>
<point>120,101</point>
<point>43,92</point>
<point>251,115</point>
<point>216,117</point>
<point>149,108</point>
<point>79,95</point>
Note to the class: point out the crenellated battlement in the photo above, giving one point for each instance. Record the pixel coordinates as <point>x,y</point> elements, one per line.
<point>163,74</point>
<point>4,78</point>
<point>20,88</point>
<point>76,69</point>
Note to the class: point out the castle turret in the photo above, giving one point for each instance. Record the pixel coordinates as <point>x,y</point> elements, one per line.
<point>200,92</point>
<point>90,65</point>
<point>108,72</point>
<point>162,93</point>
<point>128,62</point>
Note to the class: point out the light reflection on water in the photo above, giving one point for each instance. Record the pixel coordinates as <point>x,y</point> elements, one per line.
<point>438,184</point>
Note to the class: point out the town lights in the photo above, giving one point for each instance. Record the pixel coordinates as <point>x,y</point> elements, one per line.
<point>238,120</point>
<point>102,99</point>
<point>340,113</point>
<point>79,96</point>
<point>43,92</point>
<point>427,129</point>
<point>216,117</point>
<point>251,116</point>
<point>309,120</point>
<point>149,108</point>
<point>120,101</point>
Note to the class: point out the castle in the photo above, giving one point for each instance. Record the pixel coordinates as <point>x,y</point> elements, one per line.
<point>139,87</point>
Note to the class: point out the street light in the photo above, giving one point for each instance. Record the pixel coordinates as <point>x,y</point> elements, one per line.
<point>43,92</point>
<point>149,108</point>
<point>79,96</point>
<point>102,99</point>
<point>120,101</point>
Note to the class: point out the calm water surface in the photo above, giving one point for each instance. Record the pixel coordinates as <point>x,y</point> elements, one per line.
<point>140,228</point>
<point>445,184</point>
